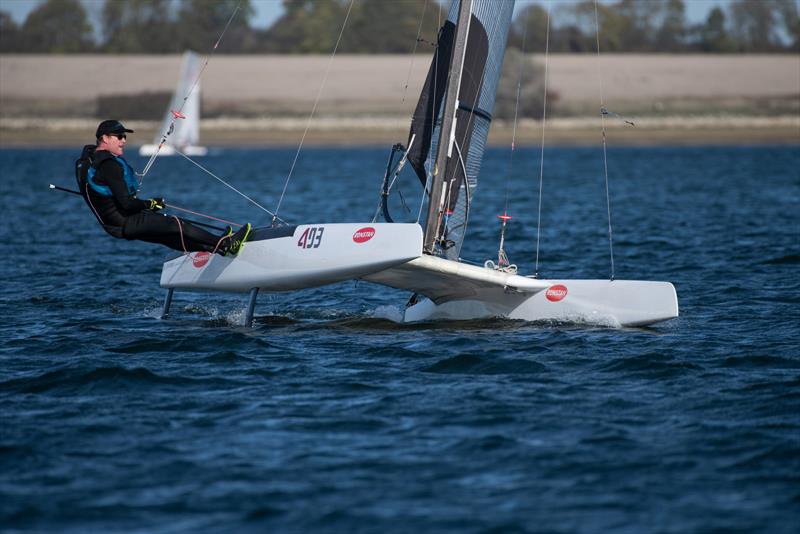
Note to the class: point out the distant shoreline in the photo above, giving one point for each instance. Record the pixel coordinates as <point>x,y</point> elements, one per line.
<point>383,131</point>
<point>673,99</point>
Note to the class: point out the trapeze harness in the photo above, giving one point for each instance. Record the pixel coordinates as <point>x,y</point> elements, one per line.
<point>85,172</point>
<point>130,179</point>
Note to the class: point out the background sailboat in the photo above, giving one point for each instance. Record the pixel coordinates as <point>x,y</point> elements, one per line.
<point>186,134</point>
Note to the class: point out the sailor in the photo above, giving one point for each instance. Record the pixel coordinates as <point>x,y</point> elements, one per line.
<point>109,186</point>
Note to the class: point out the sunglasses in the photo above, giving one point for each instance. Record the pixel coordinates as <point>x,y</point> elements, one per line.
<point>119,136</point>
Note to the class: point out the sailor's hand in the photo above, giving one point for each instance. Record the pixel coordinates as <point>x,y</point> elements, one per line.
<point>155,204</point>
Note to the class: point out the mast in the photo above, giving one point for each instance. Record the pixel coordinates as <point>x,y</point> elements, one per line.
<point>447,131</point>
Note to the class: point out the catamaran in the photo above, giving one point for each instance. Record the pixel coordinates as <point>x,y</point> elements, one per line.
<point>186,134</point>
<point>445,147</point>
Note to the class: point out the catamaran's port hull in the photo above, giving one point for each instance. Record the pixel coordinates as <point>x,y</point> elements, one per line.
<point>297,257</point>
<point>167,150</point>
<point>597,302</point>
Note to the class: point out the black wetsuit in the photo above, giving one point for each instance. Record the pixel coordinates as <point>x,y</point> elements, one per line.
<point>125,216</point>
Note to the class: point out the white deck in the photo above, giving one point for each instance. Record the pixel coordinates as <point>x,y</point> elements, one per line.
<point>309,255</point>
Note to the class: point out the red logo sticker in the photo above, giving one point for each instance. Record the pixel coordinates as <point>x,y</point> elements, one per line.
<point>364,235</point>
<point>200,259</point>
<point>556,293</point>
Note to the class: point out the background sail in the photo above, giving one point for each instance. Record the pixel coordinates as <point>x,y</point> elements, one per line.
<point>486,44</point>
<point>187,131</point>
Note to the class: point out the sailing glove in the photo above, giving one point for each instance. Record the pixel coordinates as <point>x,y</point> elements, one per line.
<point>155,204</point>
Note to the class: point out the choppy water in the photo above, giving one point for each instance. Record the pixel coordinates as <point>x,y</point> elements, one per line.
<point>327,416</point>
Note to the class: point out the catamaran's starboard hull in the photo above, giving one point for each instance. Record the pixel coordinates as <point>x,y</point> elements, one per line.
<point>297,257</point>
<point>166,150</point>
<point>460,291</point>
<point>600,302</point>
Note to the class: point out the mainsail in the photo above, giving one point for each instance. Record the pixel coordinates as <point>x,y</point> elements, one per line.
<point>479,72</point>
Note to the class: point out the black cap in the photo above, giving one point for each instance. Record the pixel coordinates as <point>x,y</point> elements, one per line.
<point>111,126</point>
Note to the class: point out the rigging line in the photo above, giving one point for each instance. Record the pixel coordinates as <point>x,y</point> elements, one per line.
<point>185,98</point>
<point>223,182</point>
<point>413,55</point>
<point>398,168</point>
<point>396,173</point>
<point>444,219</point>
<point>541,157</point>
<point>180,231</point>
<point>178,208</point>
<point>165,204</point>
<point>408,78</point>
<point>502,257</point>
<point>402,162</point>
<point>467,193</point>
<point>313,110</point>
<point>603,125</point>
<point>426,191</point>
<point>516,113</point>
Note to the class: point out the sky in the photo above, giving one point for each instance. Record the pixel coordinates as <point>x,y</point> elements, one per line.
<point>267,11</point>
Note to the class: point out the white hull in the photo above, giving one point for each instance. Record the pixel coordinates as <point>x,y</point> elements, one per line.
<point>460,292</point>
<point>288,258</point>
<point>598,302</point>
<point>166,150</point>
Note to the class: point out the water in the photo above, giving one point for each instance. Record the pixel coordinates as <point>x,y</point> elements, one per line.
<point>328,416</point>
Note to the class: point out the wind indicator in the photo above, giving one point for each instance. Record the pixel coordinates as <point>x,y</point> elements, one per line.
<point>502,258</point>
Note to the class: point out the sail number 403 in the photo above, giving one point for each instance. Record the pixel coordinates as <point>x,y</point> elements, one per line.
<point>311,237</point>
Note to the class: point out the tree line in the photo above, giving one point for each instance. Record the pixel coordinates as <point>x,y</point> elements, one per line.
<point>393,27</point>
